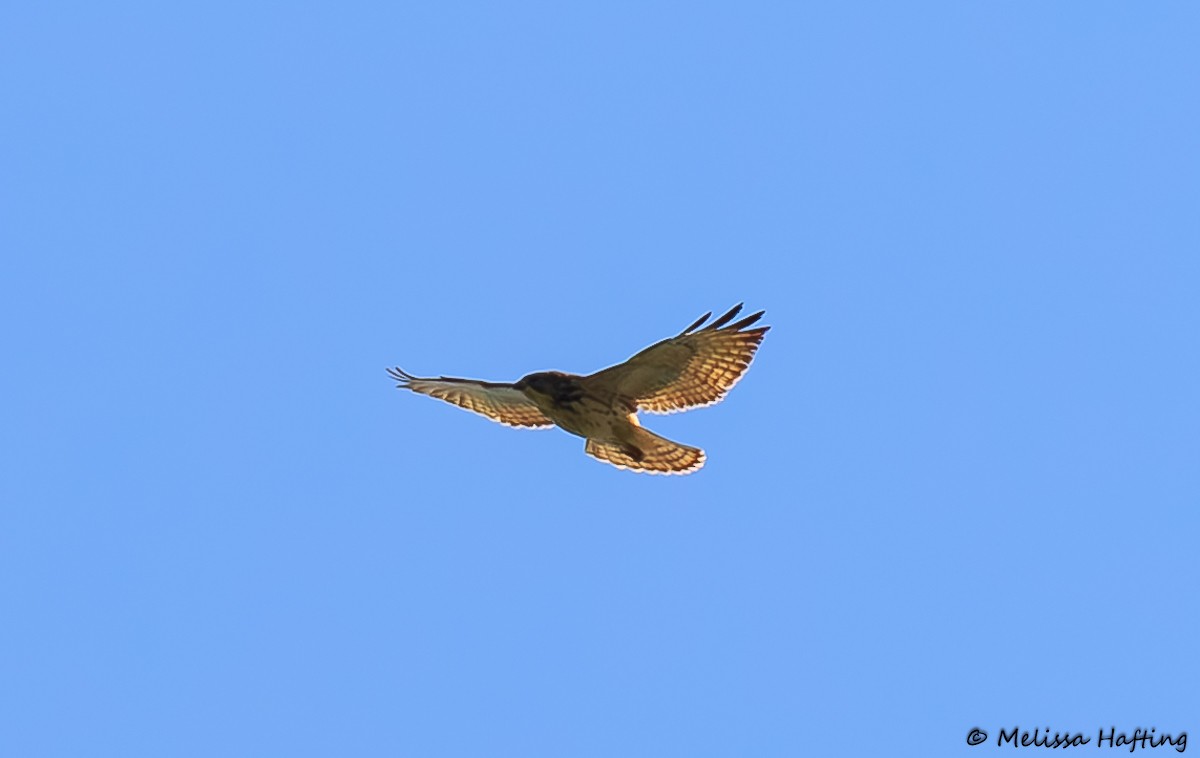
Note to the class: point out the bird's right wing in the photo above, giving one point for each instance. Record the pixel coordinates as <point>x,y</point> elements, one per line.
<point>697,367</point>
<point>498,401</point>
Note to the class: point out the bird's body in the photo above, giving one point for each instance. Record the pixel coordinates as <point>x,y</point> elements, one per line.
<point>568,401</point>
<point>692,369</point>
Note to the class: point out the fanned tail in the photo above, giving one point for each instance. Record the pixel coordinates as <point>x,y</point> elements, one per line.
<point>647,453</point>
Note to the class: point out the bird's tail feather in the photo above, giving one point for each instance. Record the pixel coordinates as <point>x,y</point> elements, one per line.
<point>647,452</point>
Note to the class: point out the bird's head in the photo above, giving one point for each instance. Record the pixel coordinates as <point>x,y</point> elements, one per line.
<point>542,382</point>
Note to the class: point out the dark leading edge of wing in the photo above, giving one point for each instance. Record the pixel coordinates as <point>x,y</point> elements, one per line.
<point>406,379</point>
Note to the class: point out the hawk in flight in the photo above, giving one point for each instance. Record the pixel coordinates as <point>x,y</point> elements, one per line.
<point>692,369</point>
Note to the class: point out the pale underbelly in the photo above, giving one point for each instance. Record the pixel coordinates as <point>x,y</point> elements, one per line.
<point>593,420</point>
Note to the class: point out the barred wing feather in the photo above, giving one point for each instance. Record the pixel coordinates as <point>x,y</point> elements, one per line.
<point>496,400</point>
<point>697,367</point>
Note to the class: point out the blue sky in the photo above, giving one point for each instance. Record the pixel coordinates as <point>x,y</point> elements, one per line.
<point>957,489</point>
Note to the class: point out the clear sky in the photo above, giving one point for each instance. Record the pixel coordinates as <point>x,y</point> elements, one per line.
<point>958,488</point>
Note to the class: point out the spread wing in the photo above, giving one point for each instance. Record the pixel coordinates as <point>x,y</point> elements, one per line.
<point>496,400</point>
<point>694,368</point>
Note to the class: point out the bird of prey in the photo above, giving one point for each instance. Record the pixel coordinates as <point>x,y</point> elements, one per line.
<point>692,369</point>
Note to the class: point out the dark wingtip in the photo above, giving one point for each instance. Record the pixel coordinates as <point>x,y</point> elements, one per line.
<point>699,321</point>
<point>400,375</point>
<point>724,319</point>
<point>747,321</point>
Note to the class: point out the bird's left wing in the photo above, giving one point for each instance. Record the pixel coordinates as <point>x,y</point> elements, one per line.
<point>496,400</point>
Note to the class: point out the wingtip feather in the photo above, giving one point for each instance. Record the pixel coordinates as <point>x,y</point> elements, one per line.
<point>723,320</point>
<point>400,375</point>
<point>752,318</point>
<point>698,322</point>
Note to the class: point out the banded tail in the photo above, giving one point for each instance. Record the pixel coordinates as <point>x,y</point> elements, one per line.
<point>648,453</point>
